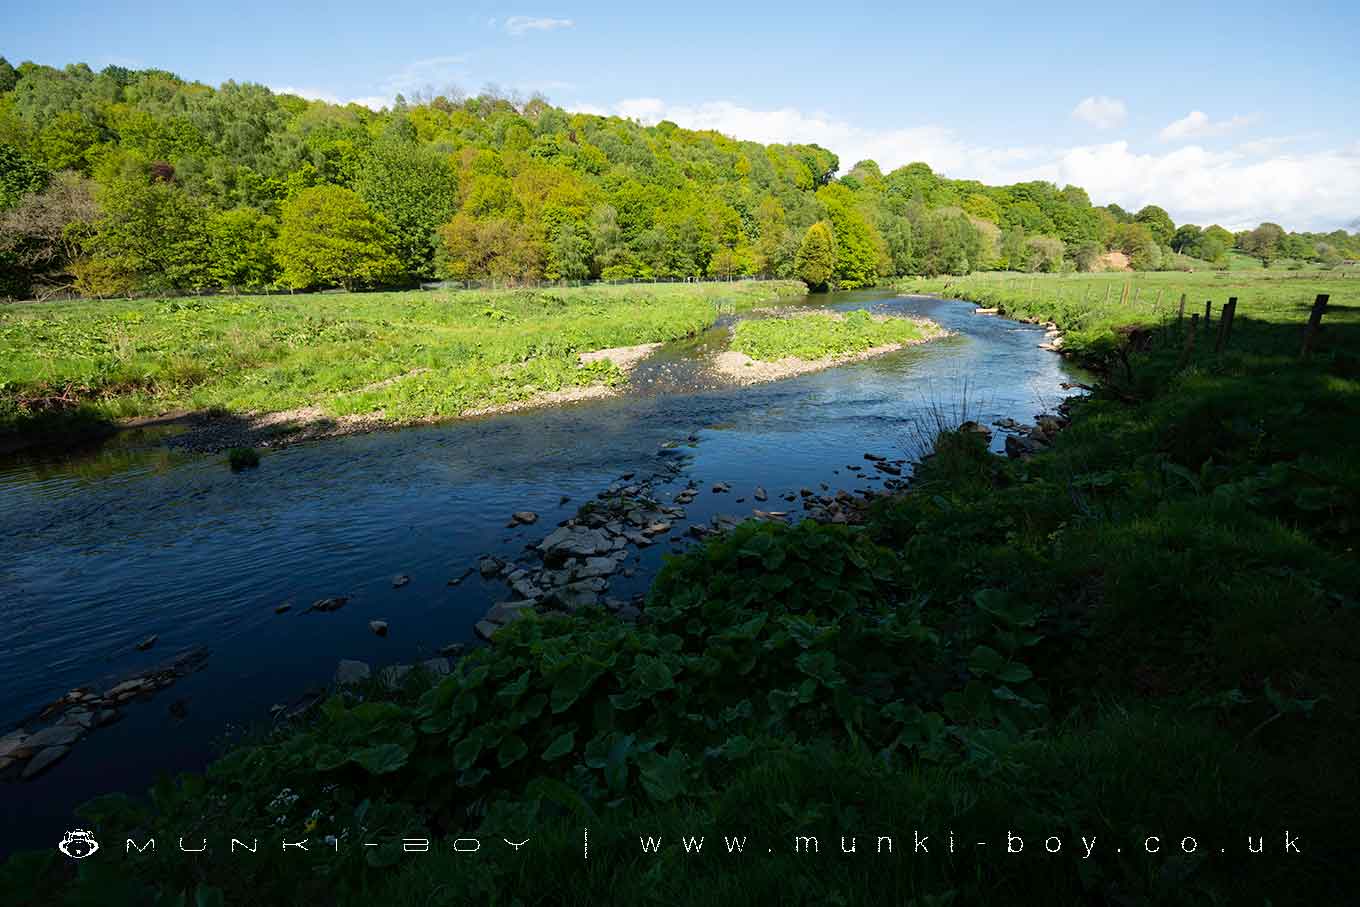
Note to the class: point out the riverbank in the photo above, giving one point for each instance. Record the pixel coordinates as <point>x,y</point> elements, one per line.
<point>78,368</point>
<point>796,343</point>
<point>1147,630</point>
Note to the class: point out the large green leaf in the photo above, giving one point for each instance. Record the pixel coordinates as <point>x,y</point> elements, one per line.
<point>381,759</point>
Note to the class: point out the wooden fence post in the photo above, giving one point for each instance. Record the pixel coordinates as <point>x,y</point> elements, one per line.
<point>1180,316</point>
<point>1190,331</point>
<point>1229,315</point>
<point>1208,307</point>
<point>1124,296</point>
<point>1158,303</point>
<point>1107,293</point>
<point>1314,323</point>
<point>1138,295</point>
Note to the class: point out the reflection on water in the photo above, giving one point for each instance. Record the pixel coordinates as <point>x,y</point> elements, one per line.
<point>107,547</point>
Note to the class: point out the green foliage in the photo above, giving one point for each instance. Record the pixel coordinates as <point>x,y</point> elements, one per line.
<point>408,356</point>
<point>816,336</point>
<point>239,458</point>
<point>330,237</point>
<point>816,260</point>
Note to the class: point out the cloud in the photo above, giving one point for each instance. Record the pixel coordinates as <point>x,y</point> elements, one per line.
<point>520,25</point>
<point>1196,124</point>
<point>1236,188</point>
<point>1101,112</point>
<point>372,102</point>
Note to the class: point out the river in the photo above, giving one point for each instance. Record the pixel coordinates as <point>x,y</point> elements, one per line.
<point>105,547</point>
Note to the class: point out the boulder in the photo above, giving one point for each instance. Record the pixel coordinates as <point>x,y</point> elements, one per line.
<point>760,494</point>
<point>13,744</point>
<point>439,667</point>
<point>595,566</point>
<point>44,760</point>
<point>393,676</point>
<point>147,643</point>
<point>874,457</point>
<point>399,581</point>
<point>524,517</point>
<point>452,650</point>
<point>507,612</point>
<point>486,629</point>
<point>127,688</point>
<point>334,603</point>
<point>56,735</point>
<point>656,528</point>
<point>351,672</point>
<point>489,567</point>
<point>378,626</point>
<point>721,487</point>
<point>574,541</point>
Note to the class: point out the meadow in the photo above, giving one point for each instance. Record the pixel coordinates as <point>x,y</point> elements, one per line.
<point>409,356</point>
<point>815,336</point>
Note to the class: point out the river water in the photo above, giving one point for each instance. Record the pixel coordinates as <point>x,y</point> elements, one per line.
<point>105,547</point>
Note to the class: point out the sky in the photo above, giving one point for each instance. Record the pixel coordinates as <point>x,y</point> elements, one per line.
<point>1230,113</point>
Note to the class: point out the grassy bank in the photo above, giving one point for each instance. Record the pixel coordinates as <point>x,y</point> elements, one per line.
<point>816,336</point>
<point>409,355</point>
<point>1151,630</point>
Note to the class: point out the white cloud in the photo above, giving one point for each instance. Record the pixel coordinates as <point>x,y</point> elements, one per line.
<point>1236,188</point>
<point>519,25</point>
<point>1196,124</point>
<point>1101,112</point>
<point>372,102</point>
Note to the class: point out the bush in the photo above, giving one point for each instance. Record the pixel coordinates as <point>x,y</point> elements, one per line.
<point>243,458</point>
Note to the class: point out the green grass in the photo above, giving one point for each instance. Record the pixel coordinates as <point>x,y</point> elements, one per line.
<point>1150,629</point>
<point>441,352</point>
<point>820,335</point>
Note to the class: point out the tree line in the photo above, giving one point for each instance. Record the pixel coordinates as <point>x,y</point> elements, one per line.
<point>121,181</point>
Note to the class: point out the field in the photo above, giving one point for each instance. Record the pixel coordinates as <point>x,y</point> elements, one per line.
<point>409,356</point>
<point>1089,307</point>
<point>815,336</point>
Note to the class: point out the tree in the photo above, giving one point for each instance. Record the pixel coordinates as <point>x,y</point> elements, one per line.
<point>151,229</point>
<point>816,260</point>
<point>1158,222</point>
<point>330,237</point>
<point>18,176</point>
<point>1185,238</point>
<point>1044,253</point>
<point>242,244</point>
<point>415,190</point>
<point>45,235</point>
<point>1263,242</point>
<point>8,77</point>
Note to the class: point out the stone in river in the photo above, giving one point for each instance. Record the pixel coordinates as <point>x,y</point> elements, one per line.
<point>378,626</point>
<point>56,735</point>
<point>147,643</point>
<point>721,487</point>
<point>486,629</point>
<point>874,457</point>
<point>760,494</point>
<point>489,566</point>
<point>283,608</point>
<point>13,744</point>
<point>507,612</point>
<point>595,566</point>
<point>44,760</point>
<point>524,517</point>
<point>329,604</point>
<point>351,672</point>
<point>399,581</point>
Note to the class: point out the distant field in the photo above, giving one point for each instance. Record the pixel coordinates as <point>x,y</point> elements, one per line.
<point>1089,305</point>
<point>410,355</point>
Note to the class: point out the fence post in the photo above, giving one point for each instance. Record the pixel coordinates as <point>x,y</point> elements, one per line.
<point>1124,296</point>
<point>1107,293</point>
<point>1225,322</point>
<point>1208,307</point>
<point>1314,324</point>
<point>1180,316</point>
<point>1188,350</point>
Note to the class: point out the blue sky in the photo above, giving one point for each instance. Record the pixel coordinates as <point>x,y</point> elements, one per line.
<point>1232,112</point>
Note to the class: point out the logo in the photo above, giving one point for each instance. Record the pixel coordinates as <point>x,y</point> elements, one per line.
<point>78,844</point>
